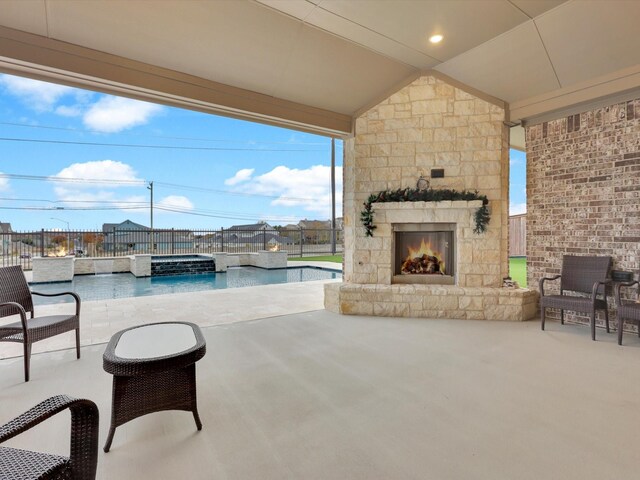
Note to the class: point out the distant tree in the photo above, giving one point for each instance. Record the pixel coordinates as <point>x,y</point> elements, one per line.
<point>59,239</point>
<point>91,241</point>
<point>90,237</point>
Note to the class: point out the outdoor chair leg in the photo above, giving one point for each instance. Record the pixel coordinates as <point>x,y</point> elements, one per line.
<point>78,343</point>
<point>196,417</point>
<point>561,316</point>
<point>27,360</point>
<point>542,316</point>
<point>606,319</point>
<point>107,445</point>
<point>593,325</point>
<point>620,324</point>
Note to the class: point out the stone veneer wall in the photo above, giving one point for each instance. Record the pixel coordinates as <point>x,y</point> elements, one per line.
<point>427,124</point>
<point>583,190</point>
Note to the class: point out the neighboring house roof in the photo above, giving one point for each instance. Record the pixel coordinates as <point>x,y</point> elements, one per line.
<point>5,227</point>
<point>126,225</point>
<point>254,226</point>
<point>315,223</point>
<point>269,238</point>
<point>108,227</point>
<point>159,237</point>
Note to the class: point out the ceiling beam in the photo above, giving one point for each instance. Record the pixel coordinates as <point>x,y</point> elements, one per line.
<point>43,58</point>
<point>578,97</point>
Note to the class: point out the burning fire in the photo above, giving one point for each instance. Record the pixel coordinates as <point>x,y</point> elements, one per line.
<point>274,248</point>
<point>60,252</point>
<point>423,260</point>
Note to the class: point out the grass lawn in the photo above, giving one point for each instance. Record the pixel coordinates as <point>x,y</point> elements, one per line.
<point>517,266</point>
<point>324,258</point>
<point>518,270</point>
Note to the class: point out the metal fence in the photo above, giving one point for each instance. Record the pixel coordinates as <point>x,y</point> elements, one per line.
<point>18,248</point>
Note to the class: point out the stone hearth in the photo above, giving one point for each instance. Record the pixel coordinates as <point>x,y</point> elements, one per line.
<point>474,296</point>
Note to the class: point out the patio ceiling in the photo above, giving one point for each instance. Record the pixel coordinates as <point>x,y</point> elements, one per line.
<point>314,64</point>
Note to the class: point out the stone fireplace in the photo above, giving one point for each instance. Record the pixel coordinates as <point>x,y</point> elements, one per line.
<point>424,253</point>
<point>424,258</point>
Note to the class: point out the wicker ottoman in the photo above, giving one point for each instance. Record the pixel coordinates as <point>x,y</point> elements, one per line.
<point>154,369</point>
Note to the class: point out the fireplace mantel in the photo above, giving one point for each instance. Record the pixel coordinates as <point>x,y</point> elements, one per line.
<point>477,255</point>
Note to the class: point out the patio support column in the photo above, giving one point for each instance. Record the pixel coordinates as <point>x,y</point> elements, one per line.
<point>333,196</point>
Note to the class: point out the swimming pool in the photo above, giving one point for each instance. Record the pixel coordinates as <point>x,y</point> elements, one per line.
<point>122,285</point>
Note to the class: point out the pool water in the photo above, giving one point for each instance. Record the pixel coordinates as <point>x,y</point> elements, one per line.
<point>123,285</point>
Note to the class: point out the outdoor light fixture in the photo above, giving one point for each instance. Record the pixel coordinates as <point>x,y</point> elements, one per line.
<point>436,38</point>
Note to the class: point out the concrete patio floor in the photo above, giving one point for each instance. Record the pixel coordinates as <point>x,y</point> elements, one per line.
<point>321,396</point>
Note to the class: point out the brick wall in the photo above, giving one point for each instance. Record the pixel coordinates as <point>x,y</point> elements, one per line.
<point>583,189</point>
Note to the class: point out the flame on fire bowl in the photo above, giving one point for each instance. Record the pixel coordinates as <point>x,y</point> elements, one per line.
<point>60,252</point>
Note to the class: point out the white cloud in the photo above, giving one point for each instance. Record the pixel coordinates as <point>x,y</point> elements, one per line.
<point>114,114</point>
<point>41,96</point>
<point>108,115</point>
<point>69,110</point>
<point>517,208</point>
<point>106,170</point>
<point>102,192</point>
<point>4,184</point>
<point>176,202</point>
<point>308,188</point>
<point>240,176</point>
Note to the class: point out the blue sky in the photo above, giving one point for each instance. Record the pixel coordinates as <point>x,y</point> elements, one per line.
<point>517,182</point>
<point>262,173</point>
<point>214,172</point>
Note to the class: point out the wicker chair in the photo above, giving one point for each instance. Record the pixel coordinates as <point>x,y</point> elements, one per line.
<point>15,299</point>
<point>83,459</point>
<point>629,311</point>
<point>582,275</point>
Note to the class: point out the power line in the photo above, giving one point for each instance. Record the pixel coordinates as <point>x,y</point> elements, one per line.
<point>142,182</point>
<point>167,137</point>
<point>228,192</point>
<point>230,216</point>
<point>186,212</point>
<point>16,176</point>
<point>70,201</point>
<point>165,147</point>
<point>140,206</point>
<point>50,209</point>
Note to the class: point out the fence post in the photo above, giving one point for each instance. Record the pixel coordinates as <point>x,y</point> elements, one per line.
<point>114,241</point>
<point>264,239</point>
<point>42,242</point>
<point>333,240</point>
<point>173,241</point>
<point>301,240</point>
<point>222,239</point>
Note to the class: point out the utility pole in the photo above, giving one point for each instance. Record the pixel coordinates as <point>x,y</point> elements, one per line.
<point>333,196</point>
<point>150,187</point>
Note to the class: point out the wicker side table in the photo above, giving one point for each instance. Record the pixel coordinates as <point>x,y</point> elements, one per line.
<point>154,369</point>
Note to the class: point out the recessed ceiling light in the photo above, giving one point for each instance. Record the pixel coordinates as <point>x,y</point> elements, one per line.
<point>436,38</point>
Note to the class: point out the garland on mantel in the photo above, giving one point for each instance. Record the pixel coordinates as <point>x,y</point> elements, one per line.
<point>482,215</point>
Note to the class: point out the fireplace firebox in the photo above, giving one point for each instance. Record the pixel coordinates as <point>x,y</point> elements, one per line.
<point>424,253</point>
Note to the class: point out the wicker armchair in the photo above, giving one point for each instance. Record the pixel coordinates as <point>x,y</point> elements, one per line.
<point>582,275</point>
<point>16,299</point>
<point>83,459</point>
<point>629,311</point>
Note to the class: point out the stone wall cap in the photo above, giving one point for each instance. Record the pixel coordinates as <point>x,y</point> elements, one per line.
<point>444,204</point>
